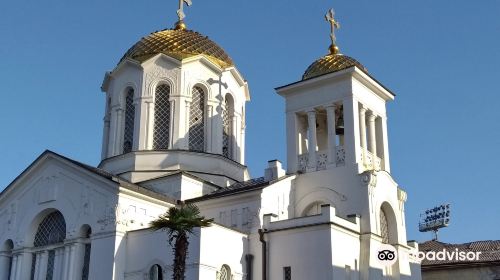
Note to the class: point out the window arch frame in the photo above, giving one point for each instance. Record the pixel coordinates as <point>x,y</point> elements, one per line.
<point>203,90</point>
<point>127,114</point>
<point>170,116</point>
<point>228,133</point>
<point>392,224</point>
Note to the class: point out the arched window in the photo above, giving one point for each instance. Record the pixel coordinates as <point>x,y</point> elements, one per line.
<point>224,273</point>
<point>197,121</point>
<point>384,227</point>
<point>162,118</point>
<point>128,132</point>
<point>155,273</point>
<point>51,231</point>
<point>227,126</point>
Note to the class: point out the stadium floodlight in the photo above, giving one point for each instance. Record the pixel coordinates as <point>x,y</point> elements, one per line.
<point>435,218</point>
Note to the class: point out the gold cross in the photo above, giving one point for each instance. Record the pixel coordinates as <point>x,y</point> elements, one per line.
<point>180,11</point>
<point>330,18</point>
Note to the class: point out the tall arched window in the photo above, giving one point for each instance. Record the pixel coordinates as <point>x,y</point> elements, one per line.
<point>128,132</point>
<point>197,121</point>
<point>155,272</point>
<point>162,118</point>
<point>227,126</point>
<point>51,232</point>
<point>384,227</point>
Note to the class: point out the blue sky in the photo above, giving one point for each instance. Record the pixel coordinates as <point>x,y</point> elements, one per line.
<point>440,57</point>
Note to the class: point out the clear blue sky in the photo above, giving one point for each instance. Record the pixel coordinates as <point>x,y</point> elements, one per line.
<point>441,58</point>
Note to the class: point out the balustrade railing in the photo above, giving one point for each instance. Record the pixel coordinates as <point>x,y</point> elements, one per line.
<point>322,160</point>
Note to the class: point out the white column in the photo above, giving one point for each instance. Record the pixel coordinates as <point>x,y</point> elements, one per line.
<point>373,138</point>
<point>233,142</point>
<point>385,144</point>
<point>311,119</point>
<point>187,108</point>
<point>65,262</point>
<point>4,264</point>
<point>209,126</point>
<point>174,126</point>
<point>59,264</point>
<point>118,143</point>
<point>105,136</point>
<point>362,130</point>
<point>42,259</point>
<point>149,125</point>
<point>332,141</point>
<point>77,254</point>
<point>23,269</point>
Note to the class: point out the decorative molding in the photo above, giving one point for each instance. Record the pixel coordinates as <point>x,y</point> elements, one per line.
<point>158,74</point>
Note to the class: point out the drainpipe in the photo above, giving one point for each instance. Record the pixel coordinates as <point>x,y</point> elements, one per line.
<point>264,254</point>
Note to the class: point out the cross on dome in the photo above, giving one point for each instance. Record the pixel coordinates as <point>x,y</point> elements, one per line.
<point>180,13</point>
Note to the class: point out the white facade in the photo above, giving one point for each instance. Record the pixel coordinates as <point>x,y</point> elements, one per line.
<point>323,218</point>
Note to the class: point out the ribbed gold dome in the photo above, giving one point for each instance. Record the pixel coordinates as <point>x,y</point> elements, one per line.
<point>331,63</point>
<point>179,44</point>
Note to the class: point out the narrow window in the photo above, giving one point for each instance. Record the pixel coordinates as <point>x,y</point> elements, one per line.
<point>384,227</point>
<point>227,122</point>
<point>234,218</point>
<point>197,121</point>
<point>86,255</point>
<point>128,134</point>
<point>224,273</point>
<point>155,273</point>
<point>161,135</point>
<point>287,273</point>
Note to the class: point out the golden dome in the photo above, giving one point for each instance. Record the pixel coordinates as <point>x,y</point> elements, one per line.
<point>332,62</point>
<point>179,44</point>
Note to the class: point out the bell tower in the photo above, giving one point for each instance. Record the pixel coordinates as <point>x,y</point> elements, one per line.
<point>336,115</point>
<point>175,103</point>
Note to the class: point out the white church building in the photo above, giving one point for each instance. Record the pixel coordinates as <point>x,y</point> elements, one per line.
<point>173,132</point>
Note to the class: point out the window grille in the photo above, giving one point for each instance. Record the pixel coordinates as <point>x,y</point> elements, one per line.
<point>155,273</point>
<point>128,134</point>
<point>51,230</point>
<point>227,129</point>
<point>86,262</point>
<point>50,265</point>
<point>197,121</point>
<point>287,273</point>
<point>224,273</point>
<point>162,118</point>
<point>384,227</point>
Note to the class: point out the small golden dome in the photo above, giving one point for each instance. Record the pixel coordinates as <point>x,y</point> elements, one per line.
<point>331,63</point>
<point>179,44</point>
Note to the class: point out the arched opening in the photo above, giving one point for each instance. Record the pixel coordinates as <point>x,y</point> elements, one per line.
<point>85,232</point>
<point>6,259</point>
<point>161,135</point>
<point>128,131</point>
<point>313,209</point>
<point>197,120</point>
<point>387,224</point>
<point>48,240</point>
<point>155,272</point>
<point>224,273</point>
<point>227,126</point>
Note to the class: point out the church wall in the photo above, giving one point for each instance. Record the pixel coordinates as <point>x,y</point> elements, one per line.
<point>209,249</point>
<point>221,246</point>
<point>313,245</point>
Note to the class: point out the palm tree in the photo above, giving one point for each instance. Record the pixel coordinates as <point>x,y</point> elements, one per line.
<point>179,223</point>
